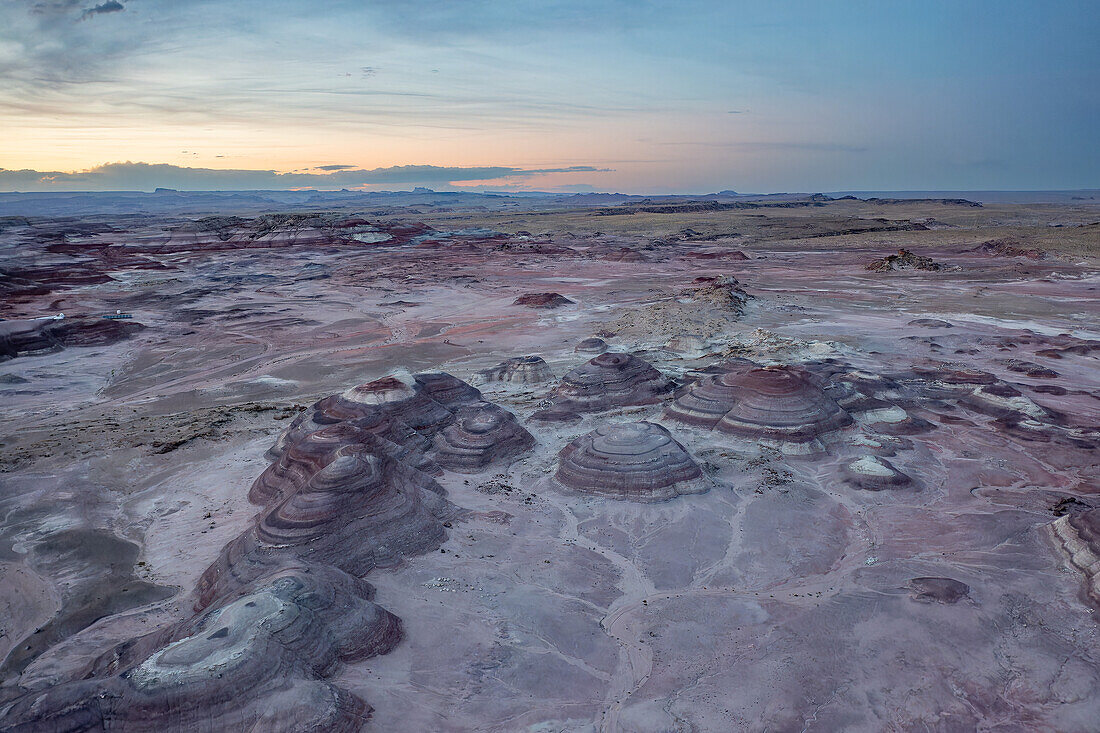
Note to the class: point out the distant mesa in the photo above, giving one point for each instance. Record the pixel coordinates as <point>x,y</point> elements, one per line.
<point>41,336</point>
<point>639,461</point>
<point>625,254</point>
<point>904,260</point>
<point>542,300</point>
<point>734,255</point>
<point>1030,369</point>
<point>214,233</point>
<point>1077,537</point>
<point>520,370</point>
<point>874,474</point>
<point>593,345</point>
<point>930,323</point>
<point>605,381</point>
<point>1007,248</point>
<point>938,590</point>
<point>481,436</point>
<point>781,404</point>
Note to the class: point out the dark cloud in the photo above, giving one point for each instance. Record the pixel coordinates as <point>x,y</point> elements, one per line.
<point>111,6</point>
<point>148,176</point>
<point>334,167</point>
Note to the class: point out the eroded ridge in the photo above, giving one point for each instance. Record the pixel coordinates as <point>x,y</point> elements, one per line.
<point>1077,535</point>
<point>258,661</point>
<point>284,605</point>
<point>640,461</point>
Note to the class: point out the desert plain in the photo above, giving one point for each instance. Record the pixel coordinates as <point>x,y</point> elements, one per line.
<point>562,463</point>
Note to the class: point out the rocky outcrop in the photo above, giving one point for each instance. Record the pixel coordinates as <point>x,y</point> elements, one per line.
<point>1006,248</point>
<point>874,474</point>
<point>930,323</point>
<point>638,461</point>
<point>1030,369</point>
<point>938,590</point>
<point>904,260</point>
<point>721,290</point>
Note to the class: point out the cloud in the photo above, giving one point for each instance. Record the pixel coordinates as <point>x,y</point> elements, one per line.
<point>111,6</point>
<point>333,167</point>
<point>771,146</point>
<point>148,176</point>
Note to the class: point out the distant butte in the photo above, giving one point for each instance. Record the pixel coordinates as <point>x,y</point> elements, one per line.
<point>542,300</point>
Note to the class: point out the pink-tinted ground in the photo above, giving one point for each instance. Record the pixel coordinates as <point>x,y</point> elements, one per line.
<point>781,599</point>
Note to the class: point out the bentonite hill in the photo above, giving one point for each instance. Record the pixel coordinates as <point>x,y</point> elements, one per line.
<point>466,462</point>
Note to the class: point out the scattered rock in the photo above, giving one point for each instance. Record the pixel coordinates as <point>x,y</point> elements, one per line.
<point>938,590</point>
<point>904,260</point>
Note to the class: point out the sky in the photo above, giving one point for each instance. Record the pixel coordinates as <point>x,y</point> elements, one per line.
<point>645,96</point>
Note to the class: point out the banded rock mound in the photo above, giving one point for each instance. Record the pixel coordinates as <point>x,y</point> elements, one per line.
<point>605,381</point>
<point>257,662</point>
<point>283,605</point>
<point>358,512</point>
<point>404,411</point>
<point>782,404</point>
<point>519,370</point>
<point>480,436</point>
<point>639,461</point>
<point>687,344</point>
<point>593,345</point>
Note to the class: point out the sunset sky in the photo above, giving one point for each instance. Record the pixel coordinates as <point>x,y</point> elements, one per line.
<point>645,97</point>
